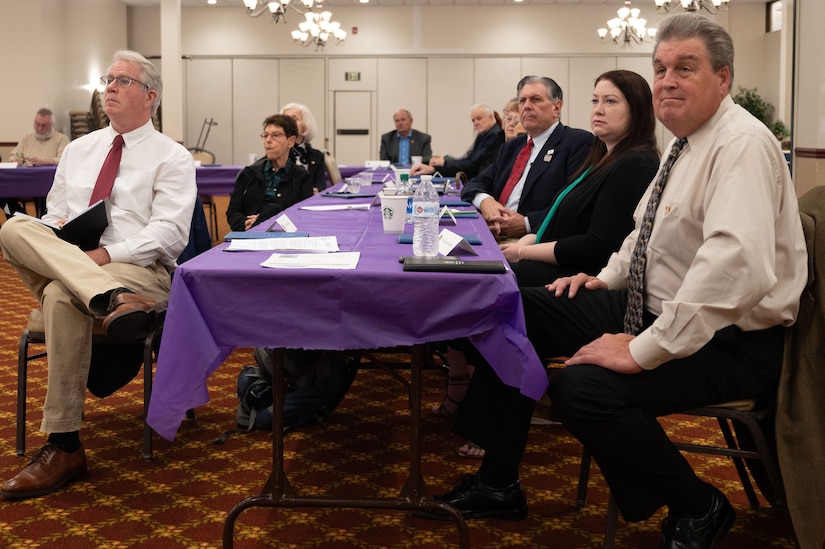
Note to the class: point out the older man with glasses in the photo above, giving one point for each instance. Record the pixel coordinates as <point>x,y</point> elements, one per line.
<point>147,182</point>
<point>42,147</point>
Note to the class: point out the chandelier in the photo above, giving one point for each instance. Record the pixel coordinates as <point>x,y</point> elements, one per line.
<point>315,30</point>
<point>628,27</point>
<point>711,6</point>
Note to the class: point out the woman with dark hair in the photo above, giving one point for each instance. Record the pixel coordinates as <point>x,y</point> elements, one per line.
<point>589,218</point>
<point>272,184</point>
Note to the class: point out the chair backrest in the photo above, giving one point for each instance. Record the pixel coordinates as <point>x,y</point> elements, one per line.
<point>199,238</point>
<point>206,158</point>
<point>332,168</point>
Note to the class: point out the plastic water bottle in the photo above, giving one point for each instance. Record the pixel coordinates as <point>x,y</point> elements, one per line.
<point>425,219</point>
<point>404,188</point>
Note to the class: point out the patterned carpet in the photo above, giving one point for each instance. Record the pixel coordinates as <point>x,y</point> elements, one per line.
<point>180,499</point>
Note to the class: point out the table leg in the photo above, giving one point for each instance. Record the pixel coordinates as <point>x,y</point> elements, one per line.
<point>277,491</point>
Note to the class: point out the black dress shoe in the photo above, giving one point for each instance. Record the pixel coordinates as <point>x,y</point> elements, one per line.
<point>474,500</point>
<point>683,532</point>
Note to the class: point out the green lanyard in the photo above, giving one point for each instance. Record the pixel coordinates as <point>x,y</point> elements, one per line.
<point>555,205</point>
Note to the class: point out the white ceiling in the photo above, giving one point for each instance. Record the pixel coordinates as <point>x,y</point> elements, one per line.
<point>239,3</point>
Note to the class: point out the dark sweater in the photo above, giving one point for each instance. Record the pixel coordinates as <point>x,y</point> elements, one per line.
<point>250,188</point>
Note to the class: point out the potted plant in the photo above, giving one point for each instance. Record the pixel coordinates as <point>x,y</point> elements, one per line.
<point>751,101</point>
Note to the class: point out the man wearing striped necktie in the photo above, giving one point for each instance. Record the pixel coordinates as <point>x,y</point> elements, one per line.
<point>718,260</point>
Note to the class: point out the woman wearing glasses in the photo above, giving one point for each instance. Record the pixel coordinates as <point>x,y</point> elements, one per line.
<point>273,183</point>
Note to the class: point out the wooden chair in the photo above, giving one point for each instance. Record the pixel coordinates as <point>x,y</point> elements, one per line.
<point>146,347</point>
<point>332,169</point>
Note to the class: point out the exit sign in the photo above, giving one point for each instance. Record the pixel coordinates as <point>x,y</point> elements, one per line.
<point>352,76</point>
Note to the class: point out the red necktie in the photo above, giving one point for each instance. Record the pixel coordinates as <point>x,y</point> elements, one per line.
<point>518,169</point>
<point>106,177</point>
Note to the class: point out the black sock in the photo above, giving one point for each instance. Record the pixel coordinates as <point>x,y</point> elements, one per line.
<point>496,474</point>
<point>695,504</point>
<point>70,442</point>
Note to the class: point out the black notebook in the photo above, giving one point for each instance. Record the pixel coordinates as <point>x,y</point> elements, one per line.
<point>85,229</point>
<point>449,264</point>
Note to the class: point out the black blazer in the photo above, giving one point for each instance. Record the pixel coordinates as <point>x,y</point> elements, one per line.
<point>250,188</point>
<point>549,173</point>
<point>593,219</point>
<point>420,145</point>
<point>313,160</point>
<point>481,154</point>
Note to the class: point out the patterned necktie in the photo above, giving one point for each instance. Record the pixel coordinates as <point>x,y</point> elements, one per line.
<point>518,169</point>
<point>636,275</point>
<point>106,177</point>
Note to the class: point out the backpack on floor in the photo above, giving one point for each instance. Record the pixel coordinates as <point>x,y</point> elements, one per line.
<point>316,381</point>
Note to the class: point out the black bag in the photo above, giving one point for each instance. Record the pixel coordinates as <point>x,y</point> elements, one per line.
<point>316,381</point>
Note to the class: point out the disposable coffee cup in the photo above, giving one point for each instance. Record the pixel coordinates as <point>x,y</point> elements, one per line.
<point>393,212</point>
<point>416,160</point>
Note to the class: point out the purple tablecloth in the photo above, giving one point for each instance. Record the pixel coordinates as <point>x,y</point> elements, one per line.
<point>26,182</point>
<point>222,300</point>
<point>36,182</point>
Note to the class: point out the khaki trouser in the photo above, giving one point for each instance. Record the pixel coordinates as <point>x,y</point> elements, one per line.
<point>65,280</point>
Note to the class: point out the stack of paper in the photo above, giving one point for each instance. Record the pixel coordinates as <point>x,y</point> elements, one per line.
<point>308,244</point>
<point>343,260</point>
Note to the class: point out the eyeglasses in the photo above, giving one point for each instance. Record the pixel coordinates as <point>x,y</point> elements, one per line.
<point>122,81</point>
<point>273,135</point>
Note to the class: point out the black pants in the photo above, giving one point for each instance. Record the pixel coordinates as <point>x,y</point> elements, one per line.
<point>615,415</point>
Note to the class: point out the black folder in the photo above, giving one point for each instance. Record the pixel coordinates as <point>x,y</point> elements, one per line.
<point>449,264</point>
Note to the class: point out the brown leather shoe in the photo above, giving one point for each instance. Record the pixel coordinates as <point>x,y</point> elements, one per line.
<point>50,469</point>
<point>130,316</point>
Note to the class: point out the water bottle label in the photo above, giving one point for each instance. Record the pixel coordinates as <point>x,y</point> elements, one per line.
<point>425,209</point>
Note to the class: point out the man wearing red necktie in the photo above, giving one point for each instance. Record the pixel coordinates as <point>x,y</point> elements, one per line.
<point>514,193</point>
<point>148,183</point>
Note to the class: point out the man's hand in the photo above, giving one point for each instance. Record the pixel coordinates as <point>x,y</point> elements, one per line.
<point>34,161</point>
<point>573,283</point>
<point>437,161</point>
<point>491,211</point>
<point>249,221</point>
<point>99,256</point>
<point>421,169</point>
<point>511,224</point>
<point>611,351</point>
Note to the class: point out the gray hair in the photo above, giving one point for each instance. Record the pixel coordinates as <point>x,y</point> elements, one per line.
<point>149,73</point>
<point>45,111</point>
<point>309,120</point>
<point>553,89</point>
<point>487,109</point>
<point>717,41</point>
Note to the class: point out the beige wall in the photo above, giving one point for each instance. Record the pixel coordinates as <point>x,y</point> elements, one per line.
<point>69,44</point>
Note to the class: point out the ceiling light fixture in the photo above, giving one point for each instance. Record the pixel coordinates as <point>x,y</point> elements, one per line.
<point>317,27</point>
<point>711,6</point>
<point>627,28</point>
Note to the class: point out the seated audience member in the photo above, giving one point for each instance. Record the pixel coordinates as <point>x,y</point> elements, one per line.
<point>43,147</point>
<point>302,153</point>
<point>689,312</point>
<point>591,216</point>
<point>273,183</point>
<point>151,197</point>
<point>401,145</point>
<point>511,123</point>
<point>488,140</point>
<point>515,192</point>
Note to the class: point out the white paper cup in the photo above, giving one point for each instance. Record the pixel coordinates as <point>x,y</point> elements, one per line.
<point>416,160</point>
<point>393,213</point>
